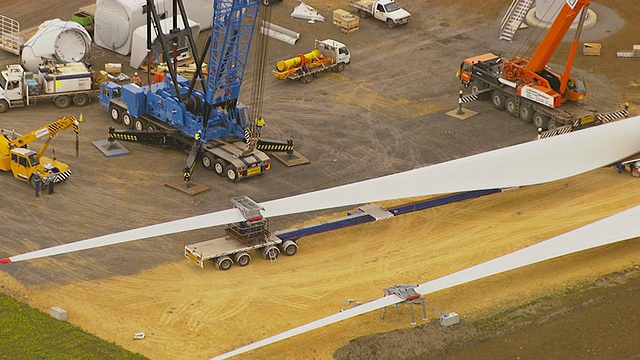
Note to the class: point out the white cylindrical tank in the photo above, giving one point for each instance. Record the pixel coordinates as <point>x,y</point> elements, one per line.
<point>59,40</point>
<point>546,12</point>
<point>116,20</point>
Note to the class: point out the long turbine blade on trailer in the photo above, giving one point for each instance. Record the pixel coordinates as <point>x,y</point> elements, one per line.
<point>524,164</point>
<point>613,229</point>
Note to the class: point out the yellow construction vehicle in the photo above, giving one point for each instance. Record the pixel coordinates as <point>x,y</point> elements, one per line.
<point>17,157</point>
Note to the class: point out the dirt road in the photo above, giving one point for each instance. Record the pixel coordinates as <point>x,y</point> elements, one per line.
<point>383,114</point>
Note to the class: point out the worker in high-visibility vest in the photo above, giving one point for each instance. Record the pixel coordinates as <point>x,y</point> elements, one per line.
<point>198,138</point>
<point>259,124</point>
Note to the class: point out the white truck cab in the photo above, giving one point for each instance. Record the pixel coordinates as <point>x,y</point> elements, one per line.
<point>334,49</point>
<point>11,83</point>
<point>384,10</point>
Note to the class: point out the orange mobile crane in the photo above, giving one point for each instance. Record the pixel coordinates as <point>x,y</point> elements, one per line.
<point>528,89</point>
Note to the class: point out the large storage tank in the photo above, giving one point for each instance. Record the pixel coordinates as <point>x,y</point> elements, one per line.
<point>544,13</point>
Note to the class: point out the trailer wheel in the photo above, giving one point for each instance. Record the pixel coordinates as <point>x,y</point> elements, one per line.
<point>289,248</point>
<point>540,121</point>
<point>3,106</point>
<point>475,88</point>
<point>138,124</point>
<point>127,120</point>
<point>339,68</point>
<point>151,127</point>
<point>208,160</point>
<point>80,100</point>
<point>306,79</point>
<point>390,23</point>
<point>218,167</point>
<point>62,101</point>
<point>243,259</point>
<point>224,263</point>
<point>232,173</point>
<point>498,100</point>
<point>270,252</point>
<point>115,113</point>
<point>510,105</point>
<point>552,125</point>
<point>526,114</point>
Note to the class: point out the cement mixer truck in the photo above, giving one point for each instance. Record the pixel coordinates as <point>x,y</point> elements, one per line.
<point>327,55</point>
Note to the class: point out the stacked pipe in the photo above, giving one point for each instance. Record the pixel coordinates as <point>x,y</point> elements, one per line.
<point>299,60</point>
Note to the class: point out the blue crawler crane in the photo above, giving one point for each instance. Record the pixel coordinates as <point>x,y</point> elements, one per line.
<point>211,122</point>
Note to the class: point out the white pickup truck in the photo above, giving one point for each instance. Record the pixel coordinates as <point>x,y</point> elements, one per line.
<point>384,10</point>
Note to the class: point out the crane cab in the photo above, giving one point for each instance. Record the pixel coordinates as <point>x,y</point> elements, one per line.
<point>25,163</point>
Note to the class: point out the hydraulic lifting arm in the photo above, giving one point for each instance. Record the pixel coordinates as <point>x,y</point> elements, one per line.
<point>48,130</point>
<point>554,36</point>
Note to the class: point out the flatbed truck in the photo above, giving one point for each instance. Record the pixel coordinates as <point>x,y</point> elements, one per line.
<point>242,237</point>
<point>237,245</point>
<point>327,55</point>
<point>64,84</point>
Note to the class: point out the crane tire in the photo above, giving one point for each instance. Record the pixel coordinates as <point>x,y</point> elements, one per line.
<point>498,100</point>
<point>127,120</point>
<point>232,173</point>
<point>510,105</point>
<point>540,121</point>
<point>138,124</point>
<point>526,114</point>
<point>116,113</point>
<point>218,167</point>
<point>208,160</point>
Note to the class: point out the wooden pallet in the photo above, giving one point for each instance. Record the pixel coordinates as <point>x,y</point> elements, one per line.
<point>349,30</point>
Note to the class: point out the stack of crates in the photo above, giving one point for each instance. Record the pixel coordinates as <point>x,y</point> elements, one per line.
<point>346,21</point>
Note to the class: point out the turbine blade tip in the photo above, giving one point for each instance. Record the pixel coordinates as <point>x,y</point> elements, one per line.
<point>5,260</point>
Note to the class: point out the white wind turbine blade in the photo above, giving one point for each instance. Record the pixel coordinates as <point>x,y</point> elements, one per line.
<point>615,228</point>
<point>524,164</point>
<point>346,314</point>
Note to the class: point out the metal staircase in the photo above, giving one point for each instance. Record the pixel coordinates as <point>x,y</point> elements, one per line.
<point>513,18</point>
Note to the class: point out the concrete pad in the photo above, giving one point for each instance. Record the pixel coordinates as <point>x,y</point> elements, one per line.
<point>291,159</point>
<point>461,113</point>
<point>187,187</point>
<point>110,148</point>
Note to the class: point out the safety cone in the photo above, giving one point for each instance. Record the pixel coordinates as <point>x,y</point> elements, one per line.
<point>80,119</point>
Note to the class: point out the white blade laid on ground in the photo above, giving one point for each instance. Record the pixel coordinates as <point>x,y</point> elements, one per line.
<point>524,164</point>
<point>613,229</point>
<point>346,314</point>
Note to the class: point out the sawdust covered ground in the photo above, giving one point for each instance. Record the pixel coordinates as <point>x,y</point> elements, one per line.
<point>208,312</point>
<point>385,115</point>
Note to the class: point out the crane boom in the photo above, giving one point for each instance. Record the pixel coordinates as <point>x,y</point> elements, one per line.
<point>231,35</point>
<point>47,130</point>
<point>548,46</point>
